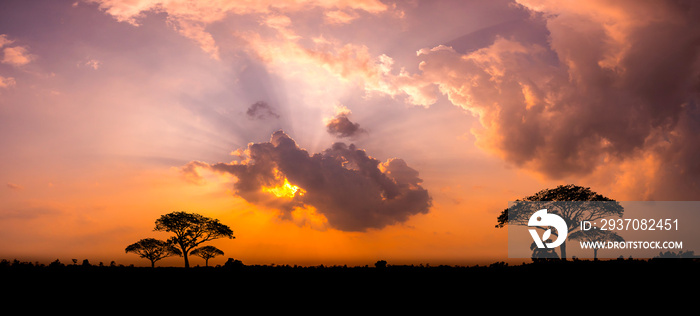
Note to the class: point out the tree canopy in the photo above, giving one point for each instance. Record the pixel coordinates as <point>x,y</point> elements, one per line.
<point>191,230</point>
<point>207,252</point>
<point>555,200</point>
<point>153,249</point>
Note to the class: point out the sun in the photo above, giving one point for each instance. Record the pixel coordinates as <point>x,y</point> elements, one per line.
<point>285,190</point>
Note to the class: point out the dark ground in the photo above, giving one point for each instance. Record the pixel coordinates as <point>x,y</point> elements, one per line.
<point>593,288</point>
<point>655,277</point>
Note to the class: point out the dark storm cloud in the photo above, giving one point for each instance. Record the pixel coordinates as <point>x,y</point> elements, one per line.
<point>354,191</point>
<point>341,126</point>
<point>261,110</point>
<point>678,177</point>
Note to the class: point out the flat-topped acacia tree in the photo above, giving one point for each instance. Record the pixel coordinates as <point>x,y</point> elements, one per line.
<point>191,230</point>
<point>153,249</point>
<point>207,252</point>
<point>556,201</point>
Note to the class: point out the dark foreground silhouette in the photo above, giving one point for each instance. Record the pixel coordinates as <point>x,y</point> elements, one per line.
<point>573,277</point>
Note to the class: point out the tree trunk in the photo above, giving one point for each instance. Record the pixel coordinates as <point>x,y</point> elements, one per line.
<point>187,261</point>
<point>153,264</point>
<point>595,254</point>
<point>206,262</point>
<point>563,251</point>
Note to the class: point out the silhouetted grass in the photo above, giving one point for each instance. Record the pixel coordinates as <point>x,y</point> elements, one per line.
<point>631,285</point>
<point>587,274</point>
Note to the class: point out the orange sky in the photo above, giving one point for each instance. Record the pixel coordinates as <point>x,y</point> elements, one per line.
<point>103,104</point>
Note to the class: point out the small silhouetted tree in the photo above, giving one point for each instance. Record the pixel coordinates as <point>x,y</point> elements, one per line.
<point>191,230</point>
<point>542,254</point>
<point>233,263</point>
<point>207,252</point>
<point>153,249</point>
<point>572,213</point>
<point>680,254</point>
<point>381,264</point>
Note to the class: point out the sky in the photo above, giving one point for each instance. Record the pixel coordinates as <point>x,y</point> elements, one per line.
<point>334,132</point>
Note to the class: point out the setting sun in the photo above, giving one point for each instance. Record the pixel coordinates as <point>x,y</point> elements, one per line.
<point>285,190</point>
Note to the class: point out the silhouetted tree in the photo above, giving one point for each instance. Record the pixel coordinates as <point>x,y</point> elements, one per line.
<point>233,263</point>
<point>56,264</point>
<point>380,264</point>
<point>680,254</point>
<point>595,235</point>
<point>572,213</point>
<point>153,249</point>
<point>207,252</point>
<point>540,254</point>
<point>191,230</point>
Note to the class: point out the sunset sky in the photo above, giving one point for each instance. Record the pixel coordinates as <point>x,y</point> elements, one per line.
<point>333,131</point>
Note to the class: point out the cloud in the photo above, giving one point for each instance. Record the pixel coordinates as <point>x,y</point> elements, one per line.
<point>341,126</point>
<point>349,62</point>
<point>14,55</point>
<point>191,18</point>
<point>351,190</point>
<point>322,59</point>
<point>339,17</point>
<point>14,186</point>
<point>17,56</point>
<point>281,24</point>
<point>611,86</point>
<point>195,30</point>
<point>190,172</point>
<point>6,82</point>
<point>261,110</point>
<point>28,213</point>
<point>4,40</point>
<point>92,63</point>
<point>284,46</point>
<point>615,82</point>
<point>209,11</point>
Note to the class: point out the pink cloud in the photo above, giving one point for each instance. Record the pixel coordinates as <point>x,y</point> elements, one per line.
<point>16,56</point>
<point>622,85</point>
<point>6,82</point>
<point>191,18</point>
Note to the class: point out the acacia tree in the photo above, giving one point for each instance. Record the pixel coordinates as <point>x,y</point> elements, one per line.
<point>207,252</point>
<point>554,200</point>
<point>191,230</point>
<point>153,249</point>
